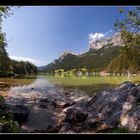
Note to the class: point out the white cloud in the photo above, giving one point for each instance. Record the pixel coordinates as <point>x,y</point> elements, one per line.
<point>95,36</point>
<point>21,58</point>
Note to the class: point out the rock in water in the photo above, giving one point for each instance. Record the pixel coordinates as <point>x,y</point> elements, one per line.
<point>109,107</point>
<point>74,114</point>
<point>43,100</point>
<point>62,103</point>
<point>20,113</point>
<point>43,106</point>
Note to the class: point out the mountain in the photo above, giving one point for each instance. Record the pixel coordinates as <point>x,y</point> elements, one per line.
<point>114,40</point>
<point>100,53</point>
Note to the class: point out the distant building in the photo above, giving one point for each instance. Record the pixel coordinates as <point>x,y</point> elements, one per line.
<point>79,73</point>
<point>87,73</point>
<point>104,73</point>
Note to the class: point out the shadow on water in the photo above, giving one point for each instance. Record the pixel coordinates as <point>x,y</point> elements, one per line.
<point>40,118</point>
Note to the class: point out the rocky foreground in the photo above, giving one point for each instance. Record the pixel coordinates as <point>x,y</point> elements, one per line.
<point>78,113</point>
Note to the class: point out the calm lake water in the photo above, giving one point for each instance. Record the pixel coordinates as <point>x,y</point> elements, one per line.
<point>44,83</point>
<point>24,91</point>
<point>90,84</point>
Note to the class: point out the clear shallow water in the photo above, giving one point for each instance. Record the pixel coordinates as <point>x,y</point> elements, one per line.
<point>40,84</point>
<point>56,87</point>
<point>36,89</point>
<point>44,84</point>
<point>90,84</point>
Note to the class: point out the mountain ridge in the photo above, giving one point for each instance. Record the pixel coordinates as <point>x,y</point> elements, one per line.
<point>99,55</point>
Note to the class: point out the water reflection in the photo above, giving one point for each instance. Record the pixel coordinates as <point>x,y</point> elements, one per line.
<point>34,90</point>
<point>43,85</point>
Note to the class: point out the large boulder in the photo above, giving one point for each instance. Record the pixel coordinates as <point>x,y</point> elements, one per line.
<point>20,113</point>
<point>109,107</point>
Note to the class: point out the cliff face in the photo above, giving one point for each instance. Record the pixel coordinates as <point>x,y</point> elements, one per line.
<point>114,40</point>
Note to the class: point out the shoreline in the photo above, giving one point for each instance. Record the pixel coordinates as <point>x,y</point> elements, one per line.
<point>59,111</point>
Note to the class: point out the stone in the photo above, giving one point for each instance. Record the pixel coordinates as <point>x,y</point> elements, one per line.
<point>1,127</point>
<point>110,106</point>
<point>126,85</point>
<point>65,127</point>
<point>62,103</point>
<point>74,114</point>
<point>20,113</point>
<point>48,129</point>
<point>131,121</point>
<point>43,106</point>
<point>43,100</point>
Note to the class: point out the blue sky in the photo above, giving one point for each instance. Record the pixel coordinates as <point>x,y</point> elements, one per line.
<point>41,34</point>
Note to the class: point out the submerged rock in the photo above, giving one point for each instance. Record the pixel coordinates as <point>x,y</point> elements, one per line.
<point>20,113</point>
<point>43,106</point>
<point>44,100</point>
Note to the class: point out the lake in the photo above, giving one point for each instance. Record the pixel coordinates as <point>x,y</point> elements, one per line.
<point>23,91</point>
<point>44,83</point>
<point>90,84</point>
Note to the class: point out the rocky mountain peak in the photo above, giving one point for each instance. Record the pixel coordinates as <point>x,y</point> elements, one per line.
<point>114,40</point>
<point>64,54</point>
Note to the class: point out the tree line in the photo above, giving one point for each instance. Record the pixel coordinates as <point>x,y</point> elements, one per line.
<point>122,59</point>
<point>9,67</point>
<point>129,58</point>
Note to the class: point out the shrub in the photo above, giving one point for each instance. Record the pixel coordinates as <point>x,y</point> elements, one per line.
<point>1,98</point>
<point>119,130</point>
<point>11,127</point>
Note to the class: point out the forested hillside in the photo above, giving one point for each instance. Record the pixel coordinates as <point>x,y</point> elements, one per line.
<point>93,60</point>
<point>118,54</point>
